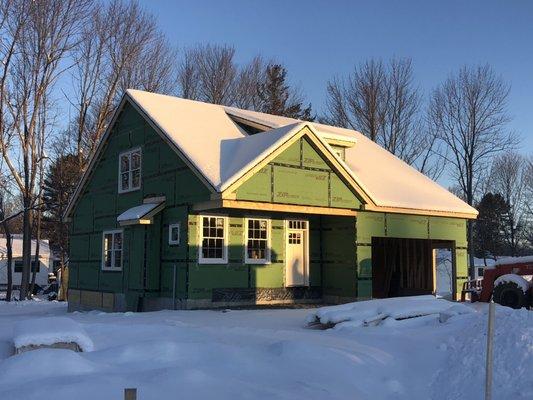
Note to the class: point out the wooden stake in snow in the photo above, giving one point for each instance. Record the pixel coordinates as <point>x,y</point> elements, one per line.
<point>174,287</point>
<point>490,346</point>
<point>130,394</point>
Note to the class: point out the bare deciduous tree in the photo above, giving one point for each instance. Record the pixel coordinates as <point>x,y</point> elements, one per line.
<point>358,102</point>
<point>6,212</point>
<point>382,102</point>
<point>248,85</point>
<point>508,178</point>
<point>208,73</point>
<point>468,112</point>
<point>121,48</point>
<point>39,36</point>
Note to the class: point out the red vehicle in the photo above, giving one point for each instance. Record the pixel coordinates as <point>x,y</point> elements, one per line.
<point>508,283</point>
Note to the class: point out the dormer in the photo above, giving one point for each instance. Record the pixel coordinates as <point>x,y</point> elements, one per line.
<point>339,143</point>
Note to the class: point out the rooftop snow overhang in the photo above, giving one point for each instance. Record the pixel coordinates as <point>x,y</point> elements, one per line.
<point>142,214</point>
<point>338,140</point>
<point>264,126</point>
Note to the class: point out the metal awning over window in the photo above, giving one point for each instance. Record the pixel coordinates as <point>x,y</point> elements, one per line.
<point>142,214</point>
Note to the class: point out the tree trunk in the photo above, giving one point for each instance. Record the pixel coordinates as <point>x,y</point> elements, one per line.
<point>26,249</point>
<point>9,248</point>
<point>37,248</point>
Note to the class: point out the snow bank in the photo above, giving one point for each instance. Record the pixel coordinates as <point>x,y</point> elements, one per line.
<point>267,354</point>
<point>462,376</point>
<point>373,312</point>
<point>513,278</point>
<point>48,331</point>
<point>44,364</point>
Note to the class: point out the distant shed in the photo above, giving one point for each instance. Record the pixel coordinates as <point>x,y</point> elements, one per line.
<point>43,267</point>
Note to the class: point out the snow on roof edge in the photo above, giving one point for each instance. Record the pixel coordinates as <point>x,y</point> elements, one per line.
<point>293,129</point>
<point>129,96</point>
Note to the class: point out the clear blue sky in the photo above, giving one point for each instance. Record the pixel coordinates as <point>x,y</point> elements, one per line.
<point>317,40</point>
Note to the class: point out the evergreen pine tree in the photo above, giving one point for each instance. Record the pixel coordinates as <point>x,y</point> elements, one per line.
<point>59,185</point>
<point>277,97</point>
<point>489,227</point>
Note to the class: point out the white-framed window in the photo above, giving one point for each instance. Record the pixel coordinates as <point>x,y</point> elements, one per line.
<point>112,250</point>
<point>213,240</point>
<point>174,234</point>
<point>129,171</point>
<point>257,241</point>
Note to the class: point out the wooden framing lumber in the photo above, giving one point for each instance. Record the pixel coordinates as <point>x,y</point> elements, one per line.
<point>286,208</point>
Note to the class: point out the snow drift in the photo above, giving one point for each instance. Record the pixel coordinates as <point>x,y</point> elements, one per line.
<point>463,373</point>
<point>376,312</point>
<point>49,331</point>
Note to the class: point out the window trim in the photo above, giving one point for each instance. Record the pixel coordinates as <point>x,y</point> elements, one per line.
<point>255,261</point>
<point>102,265</point>
<point>130,175</point>
<point>170,227</point>
<point>201,259</point>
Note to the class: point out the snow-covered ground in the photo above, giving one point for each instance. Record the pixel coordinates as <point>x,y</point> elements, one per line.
<point>267,354</point>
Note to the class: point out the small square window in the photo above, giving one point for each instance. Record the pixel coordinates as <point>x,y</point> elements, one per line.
<point>174,234</point>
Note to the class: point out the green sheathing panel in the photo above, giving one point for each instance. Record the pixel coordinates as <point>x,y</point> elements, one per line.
<point>300,176</point>
<point>369,225</point>
<point>258,187</point>
<point>407,226</point>
<point>300,186</point>
<point>203,278</point>
<point>315,251</point>
<point>448,229</point>
<point>339,257</point>
<point>163,174</point>
<point>174,256</point>
<point>373,224</point>
<point>291,156</point>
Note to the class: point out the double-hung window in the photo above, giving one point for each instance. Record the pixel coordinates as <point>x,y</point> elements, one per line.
<point>213,240</point>
<point>257,249</point>
<point>112,250</point>
<point>129,176</point>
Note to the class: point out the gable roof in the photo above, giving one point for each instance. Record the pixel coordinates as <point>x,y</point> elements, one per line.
<point>221,152</point>
<point>16,247</point>
<point>389,181</point>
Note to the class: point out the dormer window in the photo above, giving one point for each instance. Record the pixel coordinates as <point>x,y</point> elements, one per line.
<point>129,171</point>
<point>339,151</point>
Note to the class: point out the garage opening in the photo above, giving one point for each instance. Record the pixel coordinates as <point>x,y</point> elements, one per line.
<point>411,267</point>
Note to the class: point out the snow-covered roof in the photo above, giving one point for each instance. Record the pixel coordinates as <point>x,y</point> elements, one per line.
<point>144,211</point>
<point>220,150</point>
<point>16,243</point>
<point>136,212</point>
<point>514,260</point>
<point>208,137</point>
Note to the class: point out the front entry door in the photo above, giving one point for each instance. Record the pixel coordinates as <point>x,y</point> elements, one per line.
<point>297,263</point>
